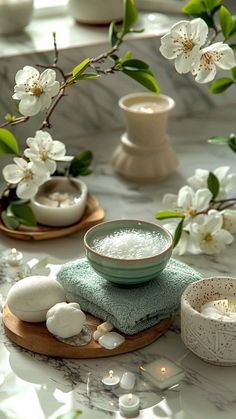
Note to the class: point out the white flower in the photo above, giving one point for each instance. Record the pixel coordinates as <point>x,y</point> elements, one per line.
<point>227,181</point>
<point>34,90</point>
<point>188,202</point>
<point>186,244</point>
<point>183,42</point>
<point>43,149</point>
<point>229,220</point>
<point>206,61</point>
<point>207,233</point>
<point>27,176</point>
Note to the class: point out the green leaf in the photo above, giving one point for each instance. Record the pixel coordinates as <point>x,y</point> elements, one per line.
<point>162,215</point>
<point>24,214</point>
<point>78,70</point>
<point>135,64</point>
<point>80,67</point>
<point>88,76</point>
<point>128,55</point>
<point>232,142</point>
<point>194,8</point>
<point>233,71</point>
<point>113,34</point>
<point>10,221</point>
<point>220,85</point>
<point>226,21</point>
<point>74,414</point>
<point>130,15</point>
<point>178,233</point>
<point>143,77</point>
<point>8,142</point>
<point>212,4</point>
<point>79,166</point>
<point>213,184</point>
<point>233,46</point>
<point>218,140</point>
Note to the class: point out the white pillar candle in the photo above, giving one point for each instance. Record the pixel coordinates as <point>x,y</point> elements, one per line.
<point>223,309</point>
<point>147,107</point>
<point>127,381</point>
<point>163,373</point>
<point>14,257</point>
<point>129,405</point>
<point>111,381</point>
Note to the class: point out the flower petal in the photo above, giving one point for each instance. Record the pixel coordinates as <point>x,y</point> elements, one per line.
<point>199,31</point>
<point>185,197</point>
<point>24,74</point>
<point>12,173</point>
<point>25,190</point>
<point>202,199</point>
<point>29,106</point>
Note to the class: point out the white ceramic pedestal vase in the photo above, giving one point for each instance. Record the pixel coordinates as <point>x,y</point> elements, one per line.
<point>96,12</point>
<point>145,152</point>
<point>14,15</point>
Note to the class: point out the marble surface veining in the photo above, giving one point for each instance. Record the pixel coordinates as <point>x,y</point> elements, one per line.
<point>40,387</point>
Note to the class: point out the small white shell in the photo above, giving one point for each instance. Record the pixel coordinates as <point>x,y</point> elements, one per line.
<point>65,320</point>
<point>30,298</point>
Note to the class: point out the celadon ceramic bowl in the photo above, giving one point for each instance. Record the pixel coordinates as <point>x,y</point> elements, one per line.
<point>213,340</point>
<point>128,272</point>
<point>45,210</point>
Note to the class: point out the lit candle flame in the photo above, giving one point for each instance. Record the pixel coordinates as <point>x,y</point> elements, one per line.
<point>130,396</point>
<point>163,370</point>
<point>110,373</point>
<point>13,251</point>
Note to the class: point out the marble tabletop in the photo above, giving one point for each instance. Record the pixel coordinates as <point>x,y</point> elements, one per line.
<point>33,386</point>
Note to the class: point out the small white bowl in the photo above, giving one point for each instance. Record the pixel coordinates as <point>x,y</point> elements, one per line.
<point>210,339</point>
<point>64,215</point>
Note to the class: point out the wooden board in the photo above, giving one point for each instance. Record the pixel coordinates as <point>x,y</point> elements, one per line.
<point>36,338</point>
<point>93,214</point>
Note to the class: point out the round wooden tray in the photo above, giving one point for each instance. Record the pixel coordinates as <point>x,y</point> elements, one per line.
<point>36,338</point>
<point>93,214</point>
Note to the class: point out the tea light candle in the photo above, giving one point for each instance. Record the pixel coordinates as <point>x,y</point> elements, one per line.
<point>163,373</point>
<point>129,405</point>
<point>110,381</point>
<point>14,257</point>
<point>224,309</point>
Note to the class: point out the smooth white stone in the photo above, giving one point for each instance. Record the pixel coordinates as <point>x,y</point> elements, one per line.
<point>105,327</point>
<point>127,381</point>
<point>96,335</point>
<point>65,320</point>
<point>30,298</point>
<point>111,340</point>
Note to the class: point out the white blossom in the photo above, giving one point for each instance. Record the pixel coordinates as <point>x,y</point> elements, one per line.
<point>208,234</point>
<point>34,90</point>
<point>186,243</point>
<point>183,43</point>
<point>28,176</point>
<point>206,61</point>
<point>229,220</point>
<point>43,149</point>
<point>189,202</point>
<point>227,181</point>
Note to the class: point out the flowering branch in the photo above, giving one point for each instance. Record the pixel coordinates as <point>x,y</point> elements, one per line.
<point>207,223</point>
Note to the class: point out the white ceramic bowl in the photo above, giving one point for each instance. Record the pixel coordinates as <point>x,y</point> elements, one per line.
<point>96,12</point>
<point>212,340</point>
<point>64,215</point>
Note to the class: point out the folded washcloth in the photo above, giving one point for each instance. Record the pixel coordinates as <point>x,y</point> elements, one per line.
<point>130,310</point>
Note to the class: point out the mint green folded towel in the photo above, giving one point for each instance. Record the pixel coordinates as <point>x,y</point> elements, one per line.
<point>129,310</point>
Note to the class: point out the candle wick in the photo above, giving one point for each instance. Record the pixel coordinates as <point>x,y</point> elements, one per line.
<point>130,396</point>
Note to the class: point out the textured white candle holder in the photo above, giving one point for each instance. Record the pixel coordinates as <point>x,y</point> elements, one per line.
<point>213,340</point>
<point>145,151</point>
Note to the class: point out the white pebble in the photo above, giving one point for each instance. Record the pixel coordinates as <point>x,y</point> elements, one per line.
<point>105,328</point>
<point>96,335</point>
